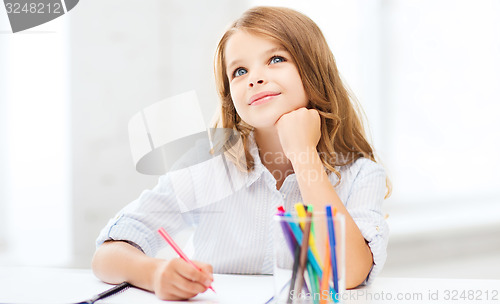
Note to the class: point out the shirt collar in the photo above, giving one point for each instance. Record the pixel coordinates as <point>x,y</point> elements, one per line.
<point>259,168</point>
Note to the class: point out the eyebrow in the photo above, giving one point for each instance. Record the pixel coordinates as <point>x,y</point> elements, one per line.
<point>270,51</point>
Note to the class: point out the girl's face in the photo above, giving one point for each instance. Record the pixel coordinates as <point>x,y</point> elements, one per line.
<point>264,81</point>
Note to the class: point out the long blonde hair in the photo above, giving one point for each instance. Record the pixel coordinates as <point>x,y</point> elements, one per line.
<point>343,138</point>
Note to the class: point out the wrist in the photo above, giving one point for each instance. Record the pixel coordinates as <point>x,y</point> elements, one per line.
<point>308,168</point>
<point>151,270</point>
<point>309,155</point>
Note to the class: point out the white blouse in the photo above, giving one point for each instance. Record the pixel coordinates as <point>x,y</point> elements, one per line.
<point>232,212</point>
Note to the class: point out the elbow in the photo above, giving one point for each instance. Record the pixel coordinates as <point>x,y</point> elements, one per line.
<point>96,263</point>
<point>354,280</point>
<point>101,265</point>
<point>358,271</point>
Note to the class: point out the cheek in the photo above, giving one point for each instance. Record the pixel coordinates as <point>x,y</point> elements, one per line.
<point>298,89</point>
<point>236,95</point>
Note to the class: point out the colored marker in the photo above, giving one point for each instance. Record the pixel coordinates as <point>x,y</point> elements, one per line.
<point>301,212</point>
<point>303,251</point>
<point>331,235</point>
<point>298,236</point>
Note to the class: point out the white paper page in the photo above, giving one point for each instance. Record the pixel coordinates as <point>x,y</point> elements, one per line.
<point>229,289</point>
<point>49,285</point>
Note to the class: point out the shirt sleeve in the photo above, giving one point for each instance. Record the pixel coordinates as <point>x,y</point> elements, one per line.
<point>139,221</point>
<point>364,204</point>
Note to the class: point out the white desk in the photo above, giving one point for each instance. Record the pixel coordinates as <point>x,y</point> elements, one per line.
<point>49,285</point>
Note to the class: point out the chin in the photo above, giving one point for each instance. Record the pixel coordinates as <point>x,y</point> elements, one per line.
<point>263,121</point>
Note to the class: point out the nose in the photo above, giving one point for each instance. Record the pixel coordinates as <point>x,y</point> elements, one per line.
<point>260,81</point>
<point>256,78</point>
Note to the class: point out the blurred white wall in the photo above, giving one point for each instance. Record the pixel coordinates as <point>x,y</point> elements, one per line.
<point>3,156</point>
<point>441,65</point>
<point>425,73</point>
<point>36,186</point>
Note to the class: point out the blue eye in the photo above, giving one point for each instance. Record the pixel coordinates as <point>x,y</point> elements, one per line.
<point>276,59</point>
<point>239,72</point>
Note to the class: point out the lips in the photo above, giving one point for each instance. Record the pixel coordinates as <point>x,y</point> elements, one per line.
<point>258,98</point>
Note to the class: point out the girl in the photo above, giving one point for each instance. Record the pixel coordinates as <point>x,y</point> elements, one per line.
<point>303,141</point>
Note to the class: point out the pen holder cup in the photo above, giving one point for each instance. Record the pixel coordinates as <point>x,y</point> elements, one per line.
<point>322,279</point>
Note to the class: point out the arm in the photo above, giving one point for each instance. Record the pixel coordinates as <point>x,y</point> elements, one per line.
<point>118,261</point>
<point>299,141</point>
<point>317,190</point>
<point>115,262</point>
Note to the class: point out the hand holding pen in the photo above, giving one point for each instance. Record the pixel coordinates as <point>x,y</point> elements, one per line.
<point>181,278</point>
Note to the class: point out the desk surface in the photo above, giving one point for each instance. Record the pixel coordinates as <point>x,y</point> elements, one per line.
<point>50,285</point>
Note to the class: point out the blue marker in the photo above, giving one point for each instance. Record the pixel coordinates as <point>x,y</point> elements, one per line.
<point>331,235</point>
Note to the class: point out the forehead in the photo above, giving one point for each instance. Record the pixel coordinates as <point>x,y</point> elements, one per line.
<point>243,44</point>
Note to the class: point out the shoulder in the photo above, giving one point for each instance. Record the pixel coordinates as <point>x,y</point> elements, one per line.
<point>359,169</point>
<point>362,173</point>
<point>363,167</point>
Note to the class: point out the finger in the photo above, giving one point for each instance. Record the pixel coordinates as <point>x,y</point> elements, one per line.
<point>172,286</point>
<point>186,287</point>
<point>206,268</point>
<point>192,274</point>
<point>174,293</point>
